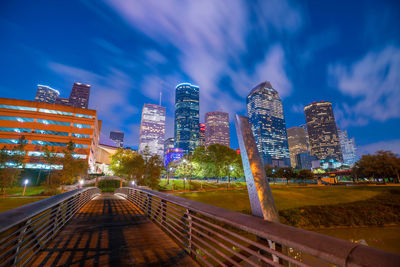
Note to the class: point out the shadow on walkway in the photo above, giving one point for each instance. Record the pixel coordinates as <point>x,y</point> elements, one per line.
<point>110,231</point>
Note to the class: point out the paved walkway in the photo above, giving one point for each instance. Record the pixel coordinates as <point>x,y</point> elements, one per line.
<point>111,231</point>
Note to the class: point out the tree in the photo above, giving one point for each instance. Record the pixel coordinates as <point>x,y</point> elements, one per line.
<point>128,164</point>
<point>381,165</point>
<point>50,158</point>
<point>152,171</point>
<point>305,175</point>
<point>72,167</point>
<point>11,163</point>
<point>285,173</point>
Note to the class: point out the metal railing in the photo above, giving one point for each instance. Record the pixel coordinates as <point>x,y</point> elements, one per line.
<point>25,230</point>
<point>216,236</point>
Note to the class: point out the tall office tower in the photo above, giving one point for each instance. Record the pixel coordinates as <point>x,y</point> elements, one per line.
<point>152,129</point>
<point>265,111</point>
<point>202,134</point>
<point>117,137</point>
<point>168,144</point>
<point>217,128</point>
<point>79,96</point>
<point>62,101</point>
<point>297,143</point>
<point>186,128</point>
<point>46,94</point>
<point>348,147</point>
<point>322,131</point>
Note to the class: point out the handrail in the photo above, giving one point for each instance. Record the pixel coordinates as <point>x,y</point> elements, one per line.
<point>198,220</point>
<point>25,230</point>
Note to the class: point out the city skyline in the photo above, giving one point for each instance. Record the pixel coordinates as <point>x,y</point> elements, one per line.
<point>307,53</point>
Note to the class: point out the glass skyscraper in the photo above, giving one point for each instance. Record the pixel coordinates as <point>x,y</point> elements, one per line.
<point>217,128</point>
<point>46,94</point>
<point>152,129</point>
<point>79,96</point>
<point>322,131</point>
<point>186,128</point>
<point>297,143</point>
<point>265,111</point>
<point>117,137</point>
<point>348,146</point>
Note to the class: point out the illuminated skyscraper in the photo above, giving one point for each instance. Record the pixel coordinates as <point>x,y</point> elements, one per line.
<point>297,143</point>
<point>217,128</point>
<point>265,111</point>
<point>322,131</point>
<point>348,147</point>
<point>117,137</point>
<point>202,134</point>
<point>79,96</point>
<point>152,129</point>
<point>186,129</point>
<point>46,94</point>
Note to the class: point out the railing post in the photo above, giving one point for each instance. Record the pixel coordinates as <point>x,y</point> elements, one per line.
<point>163,211</point>
<point>20,240</point>
<point>149,200</point>
<point>189,217</point>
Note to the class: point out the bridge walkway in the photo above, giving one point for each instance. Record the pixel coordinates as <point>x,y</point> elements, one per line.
<point>111,231</point>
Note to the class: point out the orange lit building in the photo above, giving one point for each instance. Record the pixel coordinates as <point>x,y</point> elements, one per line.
<point>49,124</point>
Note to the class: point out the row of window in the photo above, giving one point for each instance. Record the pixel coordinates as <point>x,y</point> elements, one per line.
<point>61,155</point>
<point>24,130</point>
<point>41,143</point>
<point>58,112</point>
<point>62,123</point>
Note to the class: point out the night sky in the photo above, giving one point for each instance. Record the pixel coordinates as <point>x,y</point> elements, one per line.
<point>346,52</point>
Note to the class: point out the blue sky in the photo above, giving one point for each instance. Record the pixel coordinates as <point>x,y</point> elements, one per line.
<point>347,52</point>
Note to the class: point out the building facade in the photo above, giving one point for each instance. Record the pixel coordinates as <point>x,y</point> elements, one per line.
<point>348,146</point>
<point>172,155</point>
<point>105,150</point>
<point>152,129</point>
<point>46,94</point>
<point>169,143</point>
<point>217,128</point>
<point>186,128</point>
<point>62,101</point>
<point>49,124</point>
<point>304,161</point>
<point>265,112</point>
<point>297,141</point>
<point>117,137</point>
<point>322,131</point>
<point>79,96</point>
<point>202,134</point>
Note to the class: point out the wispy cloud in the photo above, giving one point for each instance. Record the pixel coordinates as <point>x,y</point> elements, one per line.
<point>391,145</point>
<point>109,94</point>
<point>210,37</point>
<point>373,84</point>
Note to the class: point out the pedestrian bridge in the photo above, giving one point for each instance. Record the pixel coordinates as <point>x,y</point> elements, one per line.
<point>140,227</point>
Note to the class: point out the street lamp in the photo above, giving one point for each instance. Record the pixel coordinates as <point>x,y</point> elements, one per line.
<point>25,183</point>
<point>133,183</point>
<point>229,176</point>
<point>80,183</point>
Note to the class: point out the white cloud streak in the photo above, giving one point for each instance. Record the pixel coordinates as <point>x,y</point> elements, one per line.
<point>374,84</point>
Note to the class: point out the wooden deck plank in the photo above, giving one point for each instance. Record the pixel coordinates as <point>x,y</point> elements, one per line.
<point>111,231</point>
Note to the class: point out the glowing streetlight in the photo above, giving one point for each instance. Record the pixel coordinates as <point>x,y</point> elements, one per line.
<point>25,183</point>
<point>133,183</point>
<point>80,183</point>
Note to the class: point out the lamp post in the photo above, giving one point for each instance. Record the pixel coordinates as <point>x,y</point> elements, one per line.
<point>229,175</point>
<point>25,183</point>
<point>80,183</point>
<point>184,173</point>
<point>133,183</point>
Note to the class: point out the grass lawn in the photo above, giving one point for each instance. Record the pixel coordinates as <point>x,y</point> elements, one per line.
<point>15,202</point>
<point>289,197</point>
<point>30,190</point>
<point>196,185</point>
